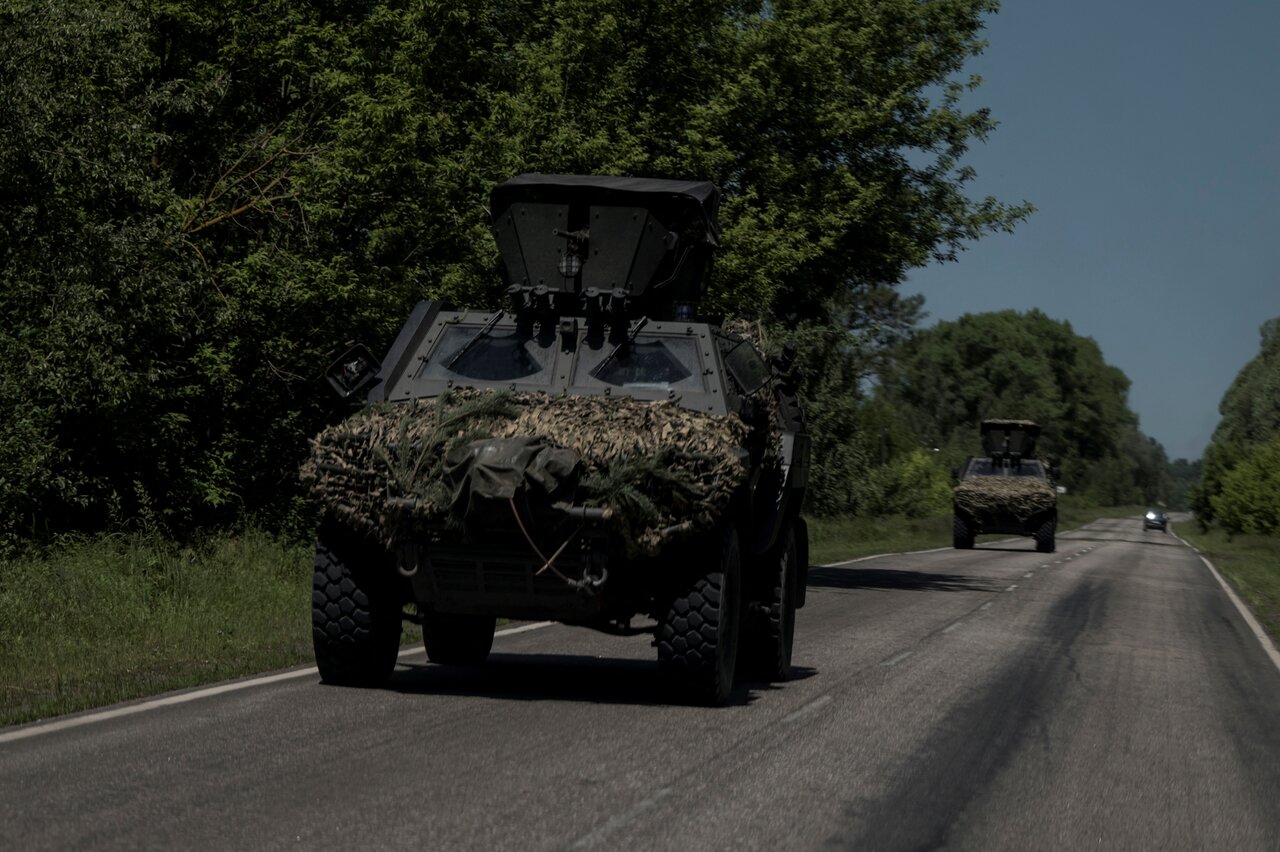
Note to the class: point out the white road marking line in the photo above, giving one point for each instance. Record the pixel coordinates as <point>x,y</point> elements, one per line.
<point>986,605</point>
<point>894,660</point>
<point>806,709</point>
<point>882,555</point>
<point>952,626</point>
<point>1264,640</point>
<point>1028,575</point>
<point>621,820</point>
<point>1011,588</point>
<point>523,628</point>
<point>208,692</point>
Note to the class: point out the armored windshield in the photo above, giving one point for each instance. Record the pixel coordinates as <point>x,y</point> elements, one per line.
<point>651,363</point>
<point>661,363</point>
<point>985,467</point>
<point>496,357</point>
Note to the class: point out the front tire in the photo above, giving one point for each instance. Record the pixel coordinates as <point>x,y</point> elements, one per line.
<point>1045,536</point>
<point>355,610</point>
<point>961,534</point>
<point>458,640</point>
<point>770,626</point>
<point>698,634</point>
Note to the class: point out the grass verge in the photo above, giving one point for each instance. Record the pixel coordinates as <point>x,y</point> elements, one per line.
<point>121,617</point>
<point>840,539</point>
<point>1251,563</point>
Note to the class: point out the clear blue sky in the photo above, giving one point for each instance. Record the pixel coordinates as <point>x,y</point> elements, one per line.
<point>1148,137</point>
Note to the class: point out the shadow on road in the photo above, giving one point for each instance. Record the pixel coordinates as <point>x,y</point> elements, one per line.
<point>561,677</point>
<point>887,578</point>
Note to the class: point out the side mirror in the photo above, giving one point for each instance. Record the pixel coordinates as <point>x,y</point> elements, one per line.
<point>354,371</point>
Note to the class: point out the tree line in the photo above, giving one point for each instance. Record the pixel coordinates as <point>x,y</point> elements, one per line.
<point>1239,487</point>
<point>918,416</point>
<point>206,201</point>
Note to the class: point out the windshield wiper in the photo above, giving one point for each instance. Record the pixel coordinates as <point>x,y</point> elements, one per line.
<point>488,327</point>
<point>631,337</point>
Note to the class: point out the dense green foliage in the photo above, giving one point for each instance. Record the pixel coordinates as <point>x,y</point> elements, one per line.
<point>1240,480</point>
<point>949,378</point>
<point>1249,496</point>
<point>207,200</point>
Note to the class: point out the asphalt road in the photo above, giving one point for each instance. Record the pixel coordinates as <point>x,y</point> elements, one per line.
<point>1107,696</point>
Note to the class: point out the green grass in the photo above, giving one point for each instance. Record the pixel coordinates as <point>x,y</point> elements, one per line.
<point>839,539</point>
<point>1252,565</point>
<point>116,618</point>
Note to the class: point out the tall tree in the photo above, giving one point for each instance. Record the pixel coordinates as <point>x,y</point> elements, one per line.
<point>97,298</point>
<point>210,198</point>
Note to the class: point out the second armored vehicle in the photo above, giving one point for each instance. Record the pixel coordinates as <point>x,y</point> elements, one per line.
<point>1008,490</point>
<point>592,452</point>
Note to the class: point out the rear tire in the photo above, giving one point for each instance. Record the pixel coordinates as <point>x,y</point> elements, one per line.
<point>1045,536</point>
<point>458,640</point>
<point>355,610</point>
<point>802,553</point>
<point>770,625</point>
<point>698,634</point>
<point>961,534</point>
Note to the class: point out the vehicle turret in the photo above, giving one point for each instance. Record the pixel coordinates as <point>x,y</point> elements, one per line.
<point>609,250</point>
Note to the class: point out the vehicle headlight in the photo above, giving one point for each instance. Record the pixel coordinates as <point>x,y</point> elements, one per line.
<point>1151,516</point>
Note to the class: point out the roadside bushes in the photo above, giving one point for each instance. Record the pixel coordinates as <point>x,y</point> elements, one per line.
<point>1249,499</point>
<point>913,485</point>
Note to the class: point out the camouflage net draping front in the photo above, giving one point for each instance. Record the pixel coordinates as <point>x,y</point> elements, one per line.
<point>1023,497</point>
<point>662,471</point>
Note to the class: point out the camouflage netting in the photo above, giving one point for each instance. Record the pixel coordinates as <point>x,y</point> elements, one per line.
<point>660,470</point>
<point>1024,497</point>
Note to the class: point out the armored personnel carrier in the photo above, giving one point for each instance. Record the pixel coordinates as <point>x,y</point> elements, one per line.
<point>1007,491</point>
<point>592,452</point>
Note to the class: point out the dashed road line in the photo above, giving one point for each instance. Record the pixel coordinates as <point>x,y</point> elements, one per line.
<point>1028,575</point>
<point>807,709</point>
<point>1011,588</point>
<point>986,605</point>
<point>897,658</point>
<point>622,820</point>
<point>952,626</point>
